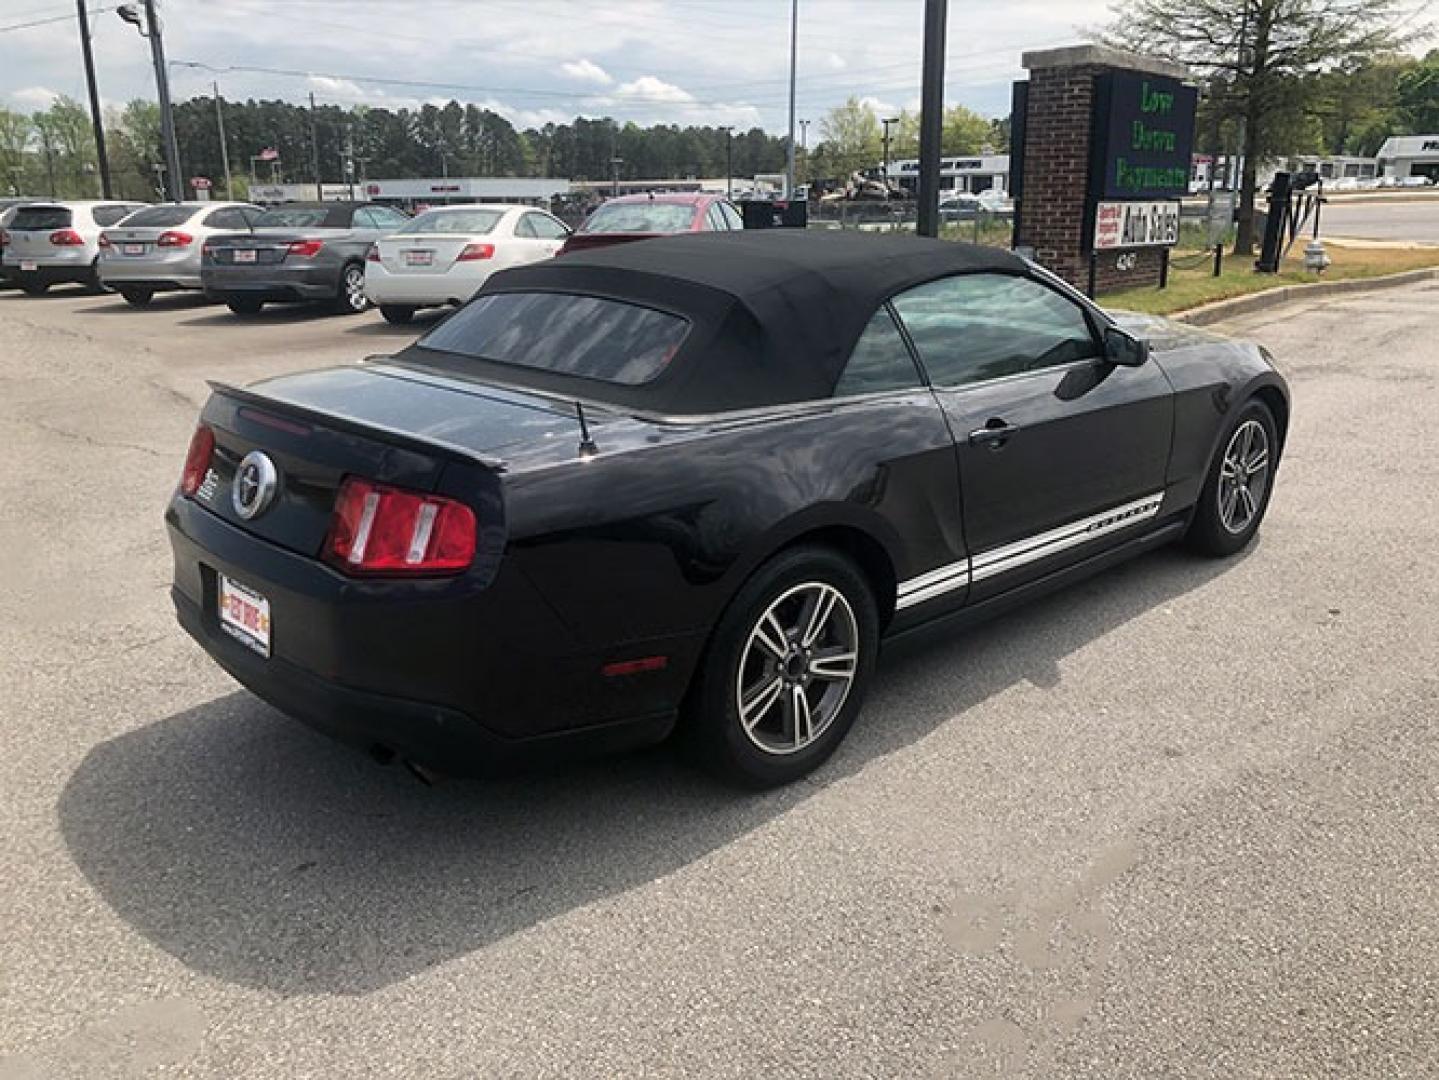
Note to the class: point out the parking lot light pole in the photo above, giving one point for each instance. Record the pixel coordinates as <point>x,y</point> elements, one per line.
<point>931,115</point>
<point>728,161</point>
<point>150,27</point>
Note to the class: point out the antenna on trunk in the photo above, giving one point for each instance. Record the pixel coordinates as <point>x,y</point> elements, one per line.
<point>588,449</point>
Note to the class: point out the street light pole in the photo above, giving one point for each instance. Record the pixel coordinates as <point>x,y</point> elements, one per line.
<point>315,151</point>
<point>793,67</point>
<point>931,115</point>
<point>173,184</point>
<point>101,157</point>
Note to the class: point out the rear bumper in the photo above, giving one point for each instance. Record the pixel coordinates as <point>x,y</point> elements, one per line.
<point>276,284</point>
<point>58,274</point>
<point>156,275</point>
<point>421,290</point>
<point>463,681</point>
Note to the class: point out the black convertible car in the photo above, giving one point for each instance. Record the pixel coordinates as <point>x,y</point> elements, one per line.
<point>695,482</point>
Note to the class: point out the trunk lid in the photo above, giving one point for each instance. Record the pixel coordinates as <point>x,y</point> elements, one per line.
<point>265,247</point>
<point>381,424</point>
<point>586,241</point>
<point>424,253</point>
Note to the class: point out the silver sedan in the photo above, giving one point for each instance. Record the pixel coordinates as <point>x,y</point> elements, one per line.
<point>157,249</point>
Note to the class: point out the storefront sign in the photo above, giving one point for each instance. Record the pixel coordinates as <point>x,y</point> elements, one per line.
<point>1145,136</point>
<point>1136,225</point>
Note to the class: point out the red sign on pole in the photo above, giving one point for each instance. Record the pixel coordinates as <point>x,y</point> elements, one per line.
<point>200,183</point>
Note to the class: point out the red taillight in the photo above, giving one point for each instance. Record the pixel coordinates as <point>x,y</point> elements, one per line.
<point>306,249</point>
<point>67,238</point>
<point>174,239</point>
<point>384,530</point>
<point>475,252</point>
<point>105,242</point>
<point>197,460</point>
<point>373,255</point>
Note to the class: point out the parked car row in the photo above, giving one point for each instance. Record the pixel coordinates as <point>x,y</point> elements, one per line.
<point>345,255</point>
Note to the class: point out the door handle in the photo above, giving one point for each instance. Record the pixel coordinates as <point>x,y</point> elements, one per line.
<point>994,434</point>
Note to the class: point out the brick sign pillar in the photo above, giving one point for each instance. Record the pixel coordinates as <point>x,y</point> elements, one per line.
<point>1076,145</point>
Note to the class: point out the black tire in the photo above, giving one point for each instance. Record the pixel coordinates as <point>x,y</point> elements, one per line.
<point>351,298</point>
<point>713,732</point>
<point>245,306</point>
<point>35,288</point>
<point>138,297</point>
<point>1212,531</point>
<point>397,314</point>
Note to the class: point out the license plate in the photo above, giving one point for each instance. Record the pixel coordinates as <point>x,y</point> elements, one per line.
<point>244,255</point>
<point>27,265</point>
<point>245,615</point>
<point>133,249</point>
<point>419,258</point>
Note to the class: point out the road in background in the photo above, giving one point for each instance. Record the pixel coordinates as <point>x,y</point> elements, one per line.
<point>1379,218</point>
<point>1179,820</point>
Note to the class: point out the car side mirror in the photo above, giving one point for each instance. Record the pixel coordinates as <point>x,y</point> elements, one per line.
<point>1123,348</point>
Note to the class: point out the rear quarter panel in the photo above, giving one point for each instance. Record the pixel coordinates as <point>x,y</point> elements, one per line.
<point>651,537</point>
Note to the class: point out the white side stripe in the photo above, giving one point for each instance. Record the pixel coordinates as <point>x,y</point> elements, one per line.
<point>1000,560</point>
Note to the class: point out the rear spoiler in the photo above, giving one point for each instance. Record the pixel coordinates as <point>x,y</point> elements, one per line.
<point>341,422</point>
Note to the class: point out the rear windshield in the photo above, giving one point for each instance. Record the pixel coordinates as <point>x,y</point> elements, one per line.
<point>40,217</point>
<point>654,217</point>
<point>160,216</point>
<point>295,217</point>
<point>563,333</point>
<point>453,221</point>
<point>111,215</point>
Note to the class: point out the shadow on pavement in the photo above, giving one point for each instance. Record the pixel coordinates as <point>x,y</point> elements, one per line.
<point>422,322</point>
<point>270,314</point>
<point>115,304</point>
<point>259,853</point>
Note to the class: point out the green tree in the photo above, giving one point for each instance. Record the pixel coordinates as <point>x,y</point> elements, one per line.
<point>1260,52</point>
<point>16,132</point>
<point>851,138</point>
<point>1418,96</point>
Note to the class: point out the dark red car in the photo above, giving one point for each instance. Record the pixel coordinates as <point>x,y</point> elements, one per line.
<point>643,217</point>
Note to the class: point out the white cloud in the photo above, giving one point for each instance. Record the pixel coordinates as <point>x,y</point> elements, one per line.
<point>835,62</point>
<point>30,98</point>
<point>651,89</point>
<point>883,108</point>
<point>586,71</point>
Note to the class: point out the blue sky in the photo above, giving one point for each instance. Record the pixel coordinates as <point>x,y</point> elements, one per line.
<point>672,61</point>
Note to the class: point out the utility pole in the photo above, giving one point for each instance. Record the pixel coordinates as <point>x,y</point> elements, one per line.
<point>150,27</point>
<point>315,150</point>
<point>349,159</point>
<point>931,115</point>
<point>101,158</point>
<point>224,149</point>
<point>793,67</point>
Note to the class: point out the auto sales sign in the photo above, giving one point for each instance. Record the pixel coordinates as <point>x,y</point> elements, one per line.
<point>1136,225</point>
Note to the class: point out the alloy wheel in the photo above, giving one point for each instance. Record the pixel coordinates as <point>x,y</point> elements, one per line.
<point>797,668</point>
<point>1243,476</point>
<point>355,289</point>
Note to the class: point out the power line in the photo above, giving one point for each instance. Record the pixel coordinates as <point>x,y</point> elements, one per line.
<point>54,19</point>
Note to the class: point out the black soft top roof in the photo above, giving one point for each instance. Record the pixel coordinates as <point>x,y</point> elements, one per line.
<point>775,313</point>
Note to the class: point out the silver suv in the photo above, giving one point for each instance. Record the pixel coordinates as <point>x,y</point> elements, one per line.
<point>50,242</point>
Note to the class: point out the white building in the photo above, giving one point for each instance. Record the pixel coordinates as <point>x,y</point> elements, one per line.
<point>977,173</point>
<point>427,192</point>
<point>1410,155</point>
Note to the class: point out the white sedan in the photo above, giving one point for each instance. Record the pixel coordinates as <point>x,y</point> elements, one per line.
<point>444,255</point>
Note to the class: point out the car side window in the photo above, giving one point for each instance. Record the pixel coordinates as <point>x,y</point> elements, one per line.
<point>106,216</point>
<point>228,218</point>
<point>880,361</point>
<point>250,213</point>
<point>546,227</point>
<point>364,219</point>
<point>731,216</point>
<point>525,227</point>
<point>715,219</point>
<point>974,327</point>
<point>387,218</point>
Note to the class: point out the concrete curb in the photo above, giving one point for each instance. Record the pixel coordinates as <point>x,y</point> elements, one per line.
<point>1243,305</point>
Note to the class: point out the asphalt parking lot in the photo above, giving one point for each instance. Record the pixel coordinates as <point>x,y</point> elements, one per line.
<point>1181,820</point>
